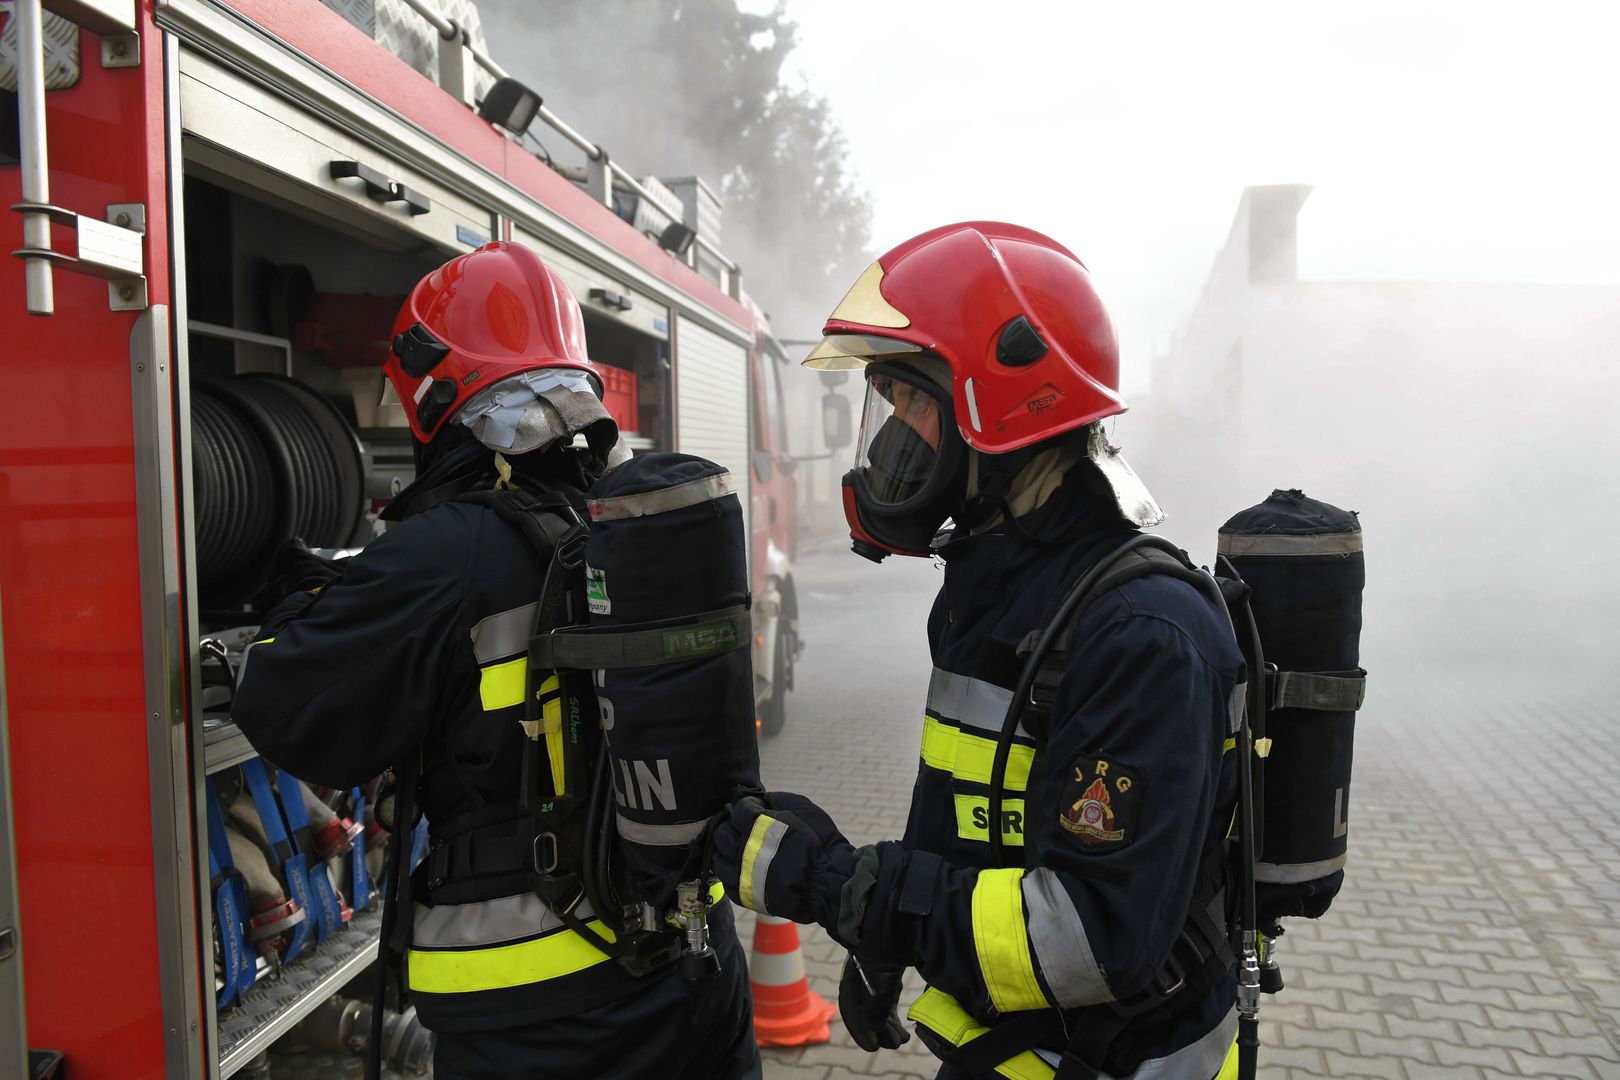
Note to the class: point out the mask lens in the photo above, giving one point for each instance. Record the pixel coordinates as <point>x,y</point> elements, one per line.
<point>899,439</point>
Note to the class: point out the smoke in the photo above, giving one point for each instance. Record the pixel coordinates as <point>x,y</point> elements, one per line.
<point>1469,423</point>
<point>696,88</point>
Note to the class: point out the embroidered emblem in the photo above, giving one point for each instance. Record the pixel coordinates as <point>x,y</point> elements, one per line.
<point>1099,803</point>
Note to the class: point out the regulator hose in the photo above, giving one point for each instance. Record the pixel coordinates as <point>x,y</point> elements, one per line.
<point>1026,679</point>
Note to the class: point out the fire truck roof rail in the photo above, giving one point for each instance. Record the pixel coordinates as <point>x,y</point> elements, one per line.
<point>602,170</point>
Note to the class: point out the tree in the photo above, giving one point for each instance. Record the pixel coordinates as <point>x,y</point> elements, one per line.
<point>696,87</point>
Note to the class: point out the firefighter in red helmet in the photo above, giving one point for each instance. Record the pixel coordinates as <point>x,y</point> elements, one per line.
<point>1079,931</point>
<point>412,655</point>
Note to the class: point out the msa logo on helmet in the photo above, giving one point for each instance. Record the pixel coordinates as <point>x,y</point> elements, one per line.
<point>1038,405</point>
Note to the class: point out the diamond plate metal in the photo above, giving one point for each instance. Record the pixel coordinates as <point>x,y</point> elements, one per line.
<point>274,1004</point>
<point>62,63</point>
<point>361,13</point>
<point>410,37</point>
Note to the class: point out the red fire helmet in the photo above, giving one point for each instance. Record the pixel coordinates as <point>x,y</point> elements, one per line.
<point>1031,349</point>
<point>480,318</point>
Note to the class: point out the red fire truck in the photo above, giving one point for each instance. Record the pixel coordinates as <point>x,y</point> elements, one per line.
<point>221,202</point>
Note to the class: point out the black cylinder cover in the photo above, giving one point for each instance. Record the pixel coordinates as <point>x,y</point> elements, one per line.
<point>1303,560</point>
<point>667,551</point>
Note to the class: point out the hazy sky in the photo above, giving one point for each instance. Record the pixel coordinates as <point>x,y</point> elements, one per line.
<point>1445,140</point>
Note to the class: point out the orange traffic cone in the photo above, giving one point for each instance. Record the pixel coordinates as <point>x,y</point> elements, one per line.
<point>786,1011</point>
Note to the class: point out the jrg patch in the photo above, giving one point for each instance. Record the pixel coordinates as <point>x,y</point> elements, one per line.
<point>1101,798</point>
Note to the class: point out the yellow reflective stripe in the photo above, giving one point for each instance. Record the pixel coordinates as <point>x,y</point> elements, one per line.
<point>1229,1067</point>
<point>971,757</point>
<point>462,971</point>
<point>750,855</point>
<point>973,819</point>
<point>1228,746</point>
<point>265,641</point>
<point>501,685</point>
<point>944,1016</point>
<point>717,892</point>
<point>1000,939</point>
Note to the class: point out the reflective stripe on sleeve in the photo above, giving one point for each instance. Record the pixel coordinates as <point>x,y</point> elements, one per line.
<point>971,757</point>
<point>1060,943</point>
<point>1001,942</point>
<point>944,1016</point>
<point>501,685</point>
<point>460,971</point>
<point>505,633</point>
<point>763,841</point>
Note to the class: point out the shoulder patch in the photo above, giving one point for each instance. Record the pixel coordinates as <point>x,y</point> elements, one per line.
<point>1100,800</point>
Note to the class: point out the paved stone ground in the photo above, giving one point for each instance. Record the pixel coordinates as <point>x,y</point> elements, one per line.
<point>1478,935</point>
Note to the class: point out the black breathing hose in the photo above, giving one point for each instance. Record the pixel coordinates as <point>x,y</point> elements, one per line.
<point>599,833</point>
<point>1032,667</point>
<point>1248,1040</point>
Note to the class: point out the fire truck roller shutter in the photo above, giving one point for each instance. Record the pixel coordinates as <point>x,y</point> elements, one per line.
<point>666,554</point>
<point>271,459</point>
<point>1303,560</point>
<point>712,404</point>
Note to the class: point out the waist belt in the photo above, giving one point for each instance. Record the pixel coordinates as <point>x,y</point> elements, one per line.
<point>481,864</point>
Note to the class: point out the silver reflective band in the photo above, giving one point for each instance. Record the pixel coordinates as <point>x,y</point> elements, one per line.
<point>1237,545</point>
<point>663,500</point>
<point>762,862</point>
<point>678,835</point>
<point>487,922</point>
<point>969,702</point>
<point>1060,943</point>
<point>1235,706</point>
<point>1200,1059</point>
<point>1294,873</point>
<point>503,634</point>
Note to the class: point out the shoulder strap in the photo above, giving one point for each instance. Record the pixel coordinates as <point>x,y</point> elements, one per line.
<point>1134,559</point>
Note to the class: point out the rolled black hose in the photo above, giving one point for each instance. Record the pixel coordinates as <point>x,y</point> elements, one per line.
<point>234,488</point>
<point>271,459</point>
<point>315,480</point>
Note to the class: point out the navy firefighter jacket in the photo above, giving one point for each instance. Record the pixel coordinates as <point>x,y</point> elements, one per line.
<point>423,642</point>
<point>1105,815</point>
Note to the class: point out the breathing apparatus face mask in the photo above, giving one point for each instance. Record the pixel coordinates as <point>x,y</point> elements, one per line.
<point>908,476</point>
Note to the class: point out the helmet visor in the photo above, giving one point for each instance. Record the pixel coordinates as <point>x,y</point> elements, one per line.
<point>845,352</point>
<point>901,427</point>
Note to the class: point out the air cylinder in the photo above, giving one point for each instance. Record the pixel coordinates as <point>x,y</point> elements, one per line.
<point>1303,561</point>
<point>666,573</point>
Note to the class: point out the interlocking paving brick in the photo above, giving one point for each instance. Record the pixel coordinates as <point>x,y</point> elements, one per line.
<point>1478,931</point>
<point>1494,1057</point>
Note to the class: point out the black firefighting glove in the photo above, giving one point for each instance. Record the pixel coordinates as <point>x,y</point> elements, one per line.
<point>781,854</point>
<point>867,997</point>
<point>297,576</point>
<point>295,568</point>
